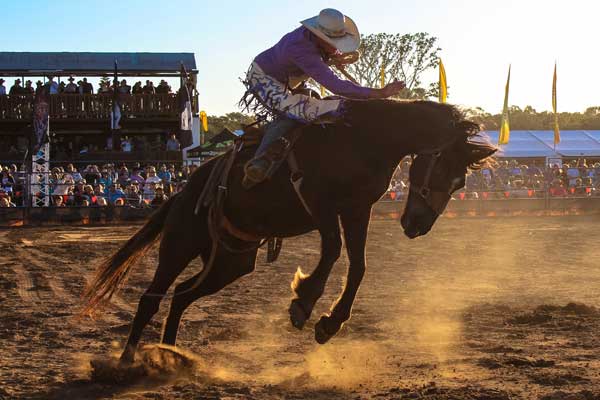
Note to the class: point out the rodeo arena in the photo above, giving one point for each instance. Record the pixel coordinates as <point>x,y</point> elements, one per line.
<point>144,258</point>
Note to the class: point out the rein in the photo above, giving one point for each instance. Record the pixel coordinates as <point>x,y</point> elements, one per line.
<point>435,199</point>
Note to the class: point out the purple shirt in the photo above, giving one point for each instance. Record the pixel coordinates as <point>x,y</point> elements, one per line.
<point>297,57</point>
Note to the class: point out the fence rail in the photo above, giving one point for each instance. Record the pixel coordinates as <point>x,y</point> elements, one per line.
<point>91,106</point>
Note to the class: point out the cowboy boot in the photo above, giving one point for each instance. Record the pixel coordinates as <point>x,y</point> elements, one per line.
<point>273,142</point>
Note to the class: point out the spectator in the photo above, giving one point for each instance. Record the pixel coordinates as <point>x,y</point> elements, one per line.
<point>2,87</point>
<point>173,144</point>
<point>114,193</point>
<point>132,194</point>
<point>124,88</point>
<point>86,87</point>
<point>151,175</point>
<point>159,197</point>
<point>28,89</point>
<point>92,199</point>
<point>39,86</point>
<point>53,87</point>
<point>5,200</point>
<point>149,88</point>
<point>137,177</point>
<point>126,145</point>
<point>137,88</point>
<point>16,89</point>
<point>71,87</point>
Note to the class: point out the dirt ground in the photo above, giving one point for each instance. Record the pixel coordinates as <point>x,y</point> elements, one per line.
<point>498,308</point>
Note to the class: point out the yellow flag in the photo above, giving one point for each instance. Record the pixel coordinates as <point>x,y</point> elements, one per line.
<point>204,121</point>
<point>443,83</point>
<point>323,94</point>
<point>505,125</point>
<point>382,77</point>
<point>554,109</point>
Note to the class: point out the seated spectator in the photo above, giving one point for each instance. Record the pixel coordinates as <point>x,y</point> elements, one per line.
<point>101,202</point>
<point>557,189</point>
<point>132,194</point>
<point>159,197</point>
<point>151,176</point>
<point>136,176</point>
<point>5,202</point>
<point>173,144</point>
<point>114,193</point>
<point>57,201</point>
<point>105,179</point>
<point>91,197</point>
<point>99,190</point>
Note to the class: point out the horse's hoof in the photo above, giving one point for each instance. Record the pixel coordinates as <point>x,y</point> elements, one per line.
<point>322,334</point>
<point>298,316</point>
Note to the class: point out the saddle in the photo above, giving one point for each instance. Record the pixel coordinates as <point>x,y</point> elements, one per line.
<point>215,191</point>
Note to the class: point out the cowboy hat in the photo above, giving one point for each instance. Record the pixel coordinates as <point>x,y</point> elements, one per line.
<point>335,28</point>
<point>71,79</point>
<point>2,80</point>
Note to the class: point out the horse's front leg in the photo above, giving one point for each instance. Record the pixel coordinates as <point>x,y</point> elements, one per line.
<point>308,289</point>
<point>356,225</point>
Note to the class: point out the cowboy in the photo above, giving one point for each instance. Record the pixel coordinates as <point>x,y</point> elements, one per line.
<point>299,55</point>
<point>71,87</point>
<point>16,88</point>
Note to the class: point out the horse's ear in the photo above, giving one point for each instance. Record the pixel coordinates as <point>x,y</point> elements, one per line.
<point>478,152</point>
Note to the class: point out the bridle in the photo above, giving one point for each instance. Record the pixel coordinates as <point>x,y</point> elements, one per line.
<point>436,200</point>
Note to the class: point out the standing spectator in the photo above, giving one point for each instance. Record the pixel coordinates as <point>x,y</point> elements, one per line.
<point>173,144</point>
<point>16,89</point>
<point>39,86</point>
<point>86,87</point>
<point>124,88</point>
<point>52,86</point>
<point>137,88</point>
<point>149,88</point>
<point>126,145</point>
<point>28,89</point>
<point>71,87</point>
<point>2,87</point>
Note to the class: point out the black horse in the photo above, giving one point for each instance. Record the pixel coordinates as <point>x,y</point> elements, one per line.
<point>347,168</point>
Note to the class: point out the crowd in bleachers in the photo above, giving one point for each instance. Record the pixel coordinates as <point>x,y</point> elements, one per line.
<point>95,186</point>
<point>511,179</point>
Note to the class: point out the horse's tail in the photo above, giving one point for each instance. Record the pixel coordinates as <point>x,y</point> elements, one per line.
<point>113,271</point>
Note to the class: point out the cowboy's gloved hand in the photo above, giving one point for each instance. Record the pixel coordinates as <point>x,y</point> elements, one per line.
<point>392,89</point>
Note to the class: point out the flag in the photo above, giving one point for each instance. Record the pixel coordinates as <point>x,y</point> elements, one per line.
<point>323,93</point>
<point>505,125</point>
<point>382,77</point>
<point>115,114</point>
<point>554,109</point>
<point>185,102</point>
<point>41,120</point>
<point>443,83</point>
<point>204,121</point>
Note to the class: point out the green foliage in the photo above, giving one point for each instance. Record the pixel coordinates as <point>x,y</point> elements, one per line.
<point>529,119</point>
<point>231,121</point>
<point>404,57</point>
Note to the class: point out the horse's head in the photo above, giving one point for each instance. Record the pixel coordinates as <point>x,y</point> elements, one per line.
<point>436,173</point>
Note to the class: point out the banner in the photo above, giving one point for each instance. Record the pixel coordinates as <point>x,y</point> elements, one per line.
<point>443,83</point>
<point>115,113</point>
<point>505,125</point>
<point>204,121</point>
<point>554,109</point>
<point>41,120</point>
<point>185,102</point>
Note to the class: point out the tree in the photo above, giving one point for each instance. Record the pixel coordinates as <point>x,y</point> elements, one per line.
<point>403,57</point>
<point>232,121</point>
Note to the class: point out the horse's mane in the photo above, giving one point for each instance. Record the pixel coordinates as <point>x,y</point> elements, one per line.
<point>450,118</point>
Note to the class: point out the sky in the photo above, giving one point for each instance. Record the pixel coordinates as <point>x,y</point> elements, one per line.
<point>479,39</point>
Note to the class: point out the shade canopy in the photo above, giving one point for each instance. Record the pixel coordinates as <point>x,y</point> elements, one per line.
<point>94,64</point>
<point>523,144</point>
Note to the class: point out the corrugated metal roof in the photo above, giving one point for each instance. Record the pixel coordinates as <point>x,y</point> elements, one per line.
<point>541,144</point>
<point>87,61</point>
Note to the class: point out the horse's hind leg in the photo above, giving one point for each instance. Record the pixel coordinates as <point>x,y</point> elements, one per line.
<point>226,269</point>
<point>174,255</point>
